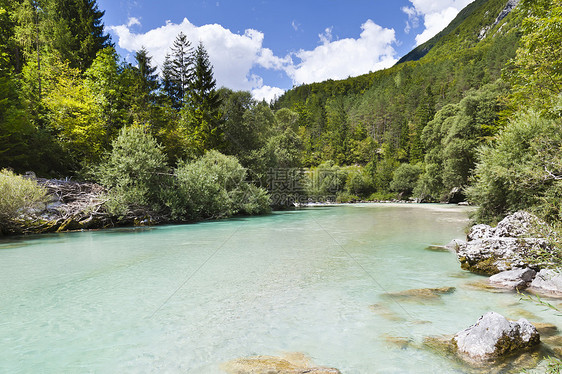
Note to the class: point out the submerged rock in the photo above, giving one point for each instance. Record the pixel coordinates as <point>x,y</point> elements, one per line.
<point>386,313</point>
<point>508,246</point>
<point>296,363</point>
<point>398,341</point>
<point>494,336</point>
<point>547,282</point>
<point>422,293</point>
<point>517,279</point>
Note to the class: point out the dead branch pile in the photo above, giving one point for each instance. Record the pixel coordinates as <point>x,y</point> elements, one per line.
<point>75,199</point>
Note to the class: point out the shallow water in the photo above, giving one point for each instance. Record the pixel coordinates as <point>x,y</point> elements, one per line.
<point>184,299</point>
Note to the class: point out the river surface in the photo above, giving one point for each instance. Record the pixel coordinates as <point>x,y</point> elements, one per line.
<point>186,298</point>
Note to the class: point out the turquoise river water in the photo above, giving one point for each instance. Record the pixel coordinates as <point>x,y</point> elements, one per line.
<point>184,299</point>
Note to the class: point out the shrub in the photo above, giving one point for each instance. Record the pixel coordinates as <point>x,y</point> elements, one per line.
<point>135,172</point>
<point>19,195</point>
<point>405,178</point>
<point>522,171</point>
<point>358,181</point>
<point>214,186</point>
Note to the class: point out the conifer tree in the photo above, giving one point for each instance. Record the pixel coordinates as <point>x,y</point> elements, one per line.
<point>201,112</point>
<point>177,70</point>
<point>147,72</point>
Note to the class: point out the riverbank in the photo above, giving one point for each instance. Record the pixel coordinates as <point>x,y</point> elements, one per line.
<point>73,206</point>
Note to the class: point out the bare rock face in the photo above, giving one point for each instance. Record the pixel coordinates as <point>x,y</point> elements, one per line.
<point>517,279</point>
<point>493,336</point>
<point>294,363</point>
<point>490,250</point>
<point>548,282</point>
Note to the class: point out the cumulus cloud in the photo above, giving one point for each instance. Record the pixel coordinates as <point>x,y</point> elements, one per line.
<point>342,58</point>
<point>267,93</point>
<point>436,14</point>
<point>231,54</point>
<point>235,55</point>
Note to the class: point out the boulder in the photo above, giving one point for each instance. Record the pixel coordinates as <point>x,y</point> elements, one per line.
<point>547,282</point>
<point>516,225</point>
<point>493,336</point>
<point>508,246</point>
<point>517,279</point>
<point>290,364</point>
<point>480,231</point>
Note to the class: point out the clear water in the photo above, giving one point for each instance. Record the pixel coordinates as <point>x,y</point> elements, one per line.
<point>184,299</point>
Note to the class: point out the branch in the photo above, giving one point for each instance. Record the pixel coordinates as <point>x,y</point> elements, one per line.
<point>552,175</point>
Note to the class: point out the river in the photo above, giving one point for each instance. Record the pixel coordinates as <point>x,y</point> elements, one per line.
<point>186,298</point>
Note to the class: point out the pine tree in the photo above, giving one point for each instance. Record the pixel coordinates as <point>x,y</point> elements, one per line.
<point>146,72</point>
<point>177,70</point>
<point>201,112</point>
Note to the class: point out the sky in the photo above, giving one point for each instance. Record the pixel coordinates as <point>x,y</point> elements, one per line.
<point>267,47</point>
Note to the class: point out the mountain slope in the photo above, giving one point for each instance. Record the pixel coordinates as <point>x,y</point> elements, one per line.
<point>345,120</point>
<point>421,50</point>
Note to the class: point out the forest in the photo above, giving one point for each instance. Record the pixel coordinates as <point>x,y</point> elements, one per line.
<point>474,114</point>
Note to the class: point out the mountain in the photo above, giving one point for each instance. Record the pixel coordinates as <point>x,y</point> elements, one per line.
<point>479,16</point>
<point>431,111</point>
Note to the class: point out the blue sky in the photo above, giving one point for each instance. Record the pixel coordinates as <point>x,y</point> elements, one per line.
<point>266,46</point>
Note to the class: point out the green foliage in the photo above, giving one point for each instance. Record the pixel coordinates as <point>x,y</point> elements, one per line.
<point>405,178</point>
<point>135,172</point>
<point>326,181</point>
<point>214,186</point>
<point>536,71</point>
<point>200,114</point>
<point>72,114</point>
<point>523,170</point>
<point>358,182</point>
<point>451,140</point>
<point>104,80</point>
<point>19,196</point>
<point>177,70</point>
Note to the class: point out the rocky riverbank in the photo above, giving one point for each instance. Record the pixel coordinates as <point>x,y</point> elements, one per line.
<point>75,206</point>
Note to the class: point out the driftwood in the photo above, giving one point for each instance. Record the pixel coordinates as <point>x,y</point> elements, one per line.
<point>77,206</point>
<point>76,200</point>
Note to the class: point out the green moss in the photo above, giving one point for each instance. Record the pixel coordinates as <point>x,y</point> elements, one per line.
<point>484,267</point>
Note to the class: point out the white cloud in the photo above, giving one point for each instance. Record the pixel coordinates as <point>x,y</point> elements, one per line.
<point>342,58</point>
<point>133,21</point>
<point>235,55</point>
<point>232,55</point>
<point>295,25</point>
<point>436,14</point>
<point>267,93</point>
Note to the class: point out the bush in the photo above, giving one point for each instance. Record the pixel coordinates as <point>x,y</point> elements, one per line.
<point>135,171</point>
<point>19,196</point>
<point>358,182</point>
<point>327,180</point>
<point>522,171</point>
<point>214,186</point>
<point>405,178</point>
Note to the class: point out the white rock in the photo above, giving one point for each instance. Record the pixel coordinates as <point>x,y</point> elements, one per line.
<point>516,225</point>
<point>513,279</point>
<point>454,244</point>
<point>548,281</point>
<point>480,231</point>
<point>493,336</point>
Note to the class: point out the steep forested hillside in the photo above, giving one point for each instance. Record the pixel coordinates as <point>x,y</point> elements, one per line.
<point>380,119</point>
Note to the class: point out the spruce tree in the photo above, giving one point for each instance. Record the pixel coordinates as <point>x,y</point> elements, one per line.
<point>147,73</point>
<point>177,70</point>
<point>201,112</point>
